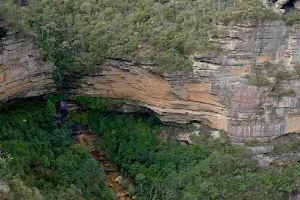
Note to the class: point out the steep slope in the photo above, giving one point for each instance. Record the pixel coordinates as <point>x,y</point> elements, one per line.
<point>22,71</point>
<point>216,92</point>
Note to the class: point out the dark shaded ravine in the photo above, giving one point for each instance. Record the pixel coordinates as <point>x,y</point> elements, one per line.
<point>112,172</point>
<point>82,136</point>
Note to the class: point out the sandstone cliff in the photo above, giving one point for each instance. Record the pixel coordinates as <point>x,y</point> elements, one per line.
<point>22,71</point>
<point>216,92</point>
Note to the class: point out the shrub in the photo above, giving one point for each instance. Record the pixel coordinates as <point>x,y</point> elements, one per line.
<point>292,17</point>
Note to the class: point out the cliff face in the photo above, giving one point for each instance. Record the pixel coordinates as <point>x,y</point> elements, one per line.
<point>22,72</point>
<point>246,47</point>
<point>216,92</point>
<point>175,98</point>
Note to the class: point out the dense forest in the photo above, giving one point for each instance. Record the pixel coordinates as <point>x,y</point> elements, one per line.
<point>39,160</point>
<point>211,169</point>
<point>81,34</point>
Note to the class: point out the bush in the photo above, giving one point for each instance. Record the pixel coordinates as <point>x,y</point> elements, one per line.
<point>258,81</point>
<point>292,17</point>
<point>79,36</point>
<point>43,156</point>
<point>210,169</point>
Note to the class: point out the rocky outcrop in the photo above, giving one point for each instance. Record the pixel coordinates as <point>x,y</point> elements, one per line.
<point>260,149</point>
<point>271,42</point>
<point>265,160</point>
<point>4,190</point>
<point>175,98</point>
<point>216,92</point>
<point>22,71</point>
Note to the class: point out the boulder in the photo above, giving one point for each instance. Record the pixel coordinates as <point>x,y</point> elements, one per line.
<point>185,138</point>
<point>118,179</point>
<point>297,4</point>
<point>4,190</point>
<point>260,149</point>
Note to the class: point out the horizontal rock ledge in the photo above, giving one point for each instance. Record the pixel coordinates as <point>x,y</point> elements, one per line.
<point>215,93</point>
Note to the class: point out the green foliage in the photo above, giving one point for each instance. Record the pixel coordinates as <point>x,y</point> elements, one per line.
<point>297,71</point>
<point>15,18</point>
<point>252,11</point>
<point>38,160</point>
<point>258,80</point>
<point>21,192</point>
<point>42,155</point>
<point>257,76</point>
<point>132,144</point>
<point>291,146</point>
<point>292,17</point>
<point>103,104</point>
<point>290,93</point>
<point>80,35</point>
<point>285,76</point>
<point>208,170</point>
<point>261,76</point>
<point>77,118</point>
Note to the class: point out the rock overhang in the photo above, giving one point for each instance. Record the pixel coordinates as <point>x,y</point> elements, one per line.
<point>216,92</point>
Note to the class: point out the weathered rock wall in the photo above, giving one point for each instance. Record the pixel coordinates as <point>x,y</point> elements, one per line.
<point>175,99</point>
<point>246,46</point>
<point>216,92</point>
<point>22,71</point>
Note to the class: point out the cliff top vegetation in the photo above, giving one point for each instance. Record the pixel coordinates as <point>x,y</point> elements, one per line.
<point>81,34</point>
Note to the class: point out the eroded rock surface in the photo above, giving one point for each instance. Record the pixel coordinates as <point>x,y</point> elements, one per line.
<point>216,92</point>
<point>22,72</point>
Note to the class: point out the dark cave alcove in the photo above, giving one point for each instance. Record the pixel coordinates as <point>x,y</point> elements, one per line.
<point>289,5</point>
<point>2,29</point>
<point>2,32</point>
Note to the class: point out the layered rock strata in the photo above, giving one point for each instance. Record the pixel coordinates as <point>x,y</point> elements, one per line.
<point>22,71</point>
<point>217,92</point>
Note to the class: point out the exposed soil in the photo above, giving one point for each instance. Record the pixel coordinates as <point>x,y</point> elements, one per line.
<point>111,171</point>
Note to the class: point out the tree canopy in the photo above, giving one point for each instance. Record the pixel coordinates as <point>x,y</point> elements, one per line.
<point>162,170</point>
<point>39,161</point>
<point>80,35</point>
